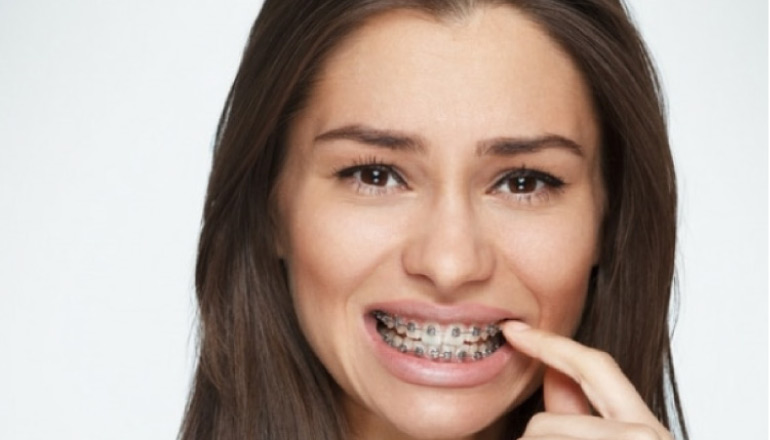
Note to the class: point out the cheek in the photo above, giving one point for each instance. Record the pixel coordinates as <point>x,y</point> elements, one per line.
<point>332,254</point>
<point>553,261</point>
<point>336,249</point>
<point>315,262</point>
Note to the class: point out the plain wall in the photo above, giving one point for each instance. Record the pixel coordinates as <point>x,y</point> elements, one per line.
<point>107,114</point>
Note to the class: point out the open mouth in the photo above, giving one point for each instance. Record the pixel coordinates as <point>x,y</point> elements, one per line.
<point>457,342</point>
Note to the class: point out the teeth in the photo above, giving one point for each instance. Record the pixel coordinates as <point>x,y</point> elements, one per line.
<point>447,352</point>
<point>455,335</point>
<point>449,343</point>
<point>432,334</point>
<point>413,331</point>
<point>474,334</point>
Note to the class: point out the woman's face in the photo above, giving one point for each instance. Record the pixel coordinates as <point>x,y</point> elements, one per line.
<point>443,176</point>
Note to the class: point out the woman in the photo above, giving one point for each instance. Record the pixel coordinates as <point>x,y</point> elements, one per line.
<point>415,205</point>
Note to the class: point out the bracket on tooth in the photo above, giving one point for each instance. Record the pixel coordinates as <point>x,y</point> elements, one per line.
<point>426,339</point>
<point>384,318</point>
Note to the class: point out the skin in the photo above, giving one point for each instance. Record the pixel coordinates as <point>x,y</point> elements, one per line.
<point>443,225</point>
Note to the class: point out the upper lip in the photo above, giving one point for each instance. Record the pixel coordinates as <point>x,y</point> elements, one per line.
<point>443,313</point>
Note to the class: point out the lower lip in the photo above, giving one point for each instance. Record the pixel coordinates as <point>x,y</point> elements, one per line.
<point>422,371</point>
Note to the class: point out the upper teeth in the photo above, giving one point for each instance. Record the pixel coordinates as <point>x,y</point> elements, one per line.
<point>433,332</point>
<point>442,342</point>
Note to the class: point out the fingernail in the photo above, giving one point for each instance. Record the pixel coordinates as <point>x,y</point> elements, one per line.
<point>517,326</point>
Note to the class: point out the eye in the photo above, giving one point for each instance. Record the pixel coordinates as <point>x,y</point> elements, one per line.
<point>377,175</point>
<point>525,184</point>
<point>373,178</point>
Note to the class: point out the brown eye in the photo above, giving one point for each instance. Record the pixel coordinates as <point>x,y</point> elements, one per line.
<point>523,184</point>
<point>375,176</point>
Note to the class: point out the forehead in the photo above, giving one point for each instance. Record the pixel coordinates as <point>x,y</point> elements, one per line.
<point>494,72</point>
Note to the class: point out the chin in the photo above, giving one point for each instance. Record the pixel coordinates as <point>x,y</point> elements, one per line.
<point>443,414</point>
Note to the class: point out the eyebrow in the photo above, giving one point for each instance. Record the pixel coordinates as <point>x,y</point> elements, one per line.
<point>389,139</point>
<point>501,146</point>
<point>508,146</point>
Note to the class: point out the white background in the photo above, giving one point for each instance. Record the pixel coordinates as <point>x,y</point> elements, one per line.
<point>107,114</point>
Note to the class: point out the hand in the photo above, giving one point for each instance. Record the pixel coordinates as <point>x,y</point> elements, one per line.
<point>577,379</point>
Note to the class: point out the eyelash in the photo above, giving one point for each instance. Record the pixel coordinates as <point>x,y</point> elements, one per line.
<point>371,164</point>
<point>545,184</point>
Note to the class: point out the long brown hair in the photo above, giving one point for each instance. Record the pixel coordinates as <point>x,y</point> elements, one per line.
<point>256,375</point>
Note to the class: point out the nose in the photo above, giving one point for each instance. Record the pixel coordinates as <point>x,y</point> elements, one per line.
<point>449,247</point>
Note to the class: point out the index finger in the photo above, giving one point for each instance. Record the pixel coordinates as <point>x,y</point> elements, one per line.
<point>608,390</point>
